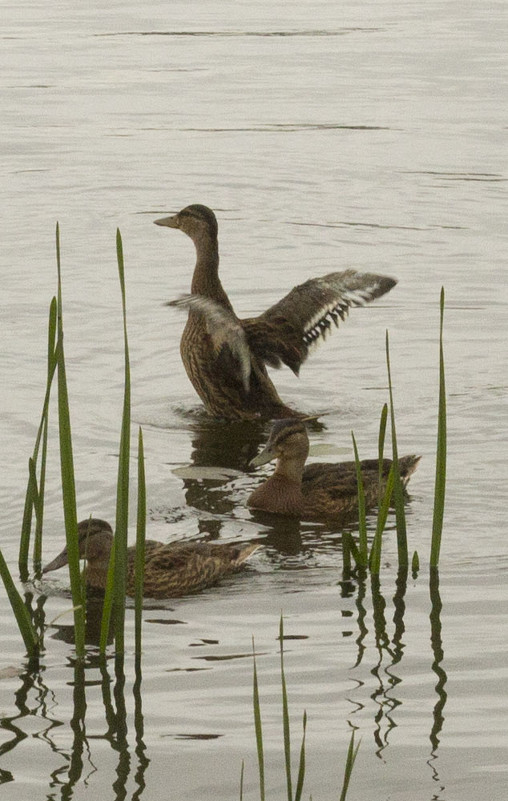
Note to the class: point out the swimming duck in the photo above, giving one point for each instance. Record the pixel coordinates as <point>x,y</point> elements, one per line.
<point>225,357</point>
<point>320,491</point>
<point>171,570</point>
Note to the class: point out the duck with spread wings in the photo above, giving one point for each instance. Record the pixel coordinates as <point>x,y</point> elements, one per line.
<point>225,357</point>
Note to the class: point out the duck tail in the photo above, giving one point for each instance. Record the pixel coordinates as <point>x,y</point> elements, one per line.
<point>407,466</point>
<point>243,552</point>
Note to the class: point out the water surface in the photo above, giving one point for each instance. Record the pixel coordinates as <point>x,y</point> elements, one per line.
<point>371,136</point>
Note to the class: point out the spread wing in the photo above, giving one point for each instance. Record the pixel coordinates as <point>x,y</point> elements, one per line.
<point>225,331</point>
<point>288,331</point>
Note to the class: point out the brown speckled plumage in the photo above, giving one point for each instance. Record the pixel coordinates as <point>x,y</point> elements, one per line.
<point>320,491</point>
<point>171,570</point>
<point>225,357</point>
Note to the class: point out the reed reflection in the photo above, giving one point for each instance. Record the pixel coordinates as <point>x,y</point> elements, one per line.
<point>116,717</point>
<point>79,742</point>
<point>93,621</point>
<point>77,760</point>
<point>438,652</point>
<point>139,728</point>
<point>41,708</point>
<point>389,652</point>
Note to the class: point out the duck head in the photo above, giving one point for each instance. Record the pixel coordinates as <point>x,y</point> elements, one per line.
<point>288,442</point>
<point>95,538</point>
<point>196,221</point>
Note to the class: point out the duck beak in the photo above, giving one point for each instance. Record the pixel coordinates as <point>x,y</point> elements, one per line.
<point>59,561</point>
<point>266,455</point>
<point>169,222</point>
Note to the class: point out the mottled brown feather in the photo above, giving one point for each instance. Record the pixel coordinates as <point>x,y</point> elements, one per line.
<point>320,491</point>
<point>171,570</point>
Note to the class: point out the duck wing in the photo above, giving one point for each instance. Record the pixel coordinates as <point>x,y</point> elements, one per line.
<point>289,330</point>
<point>339,480</point>
<point>177,556</point>
<point>225,331</point>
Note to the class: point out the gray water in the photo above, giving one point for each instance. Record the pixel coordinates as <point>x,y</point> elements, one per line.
<point>365,135</point>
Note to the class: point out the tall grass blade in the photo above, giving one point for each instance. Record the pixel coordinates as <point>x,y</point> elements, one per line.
<point>380,450</point>
<point>21,613</point>
<point>398,489</point>
<point>122,491</point>
<point>258,728</point>
<point>26,526</point>
<point>114,596</point>
<point>139,566</point>
<point>67,472</point>
<point>285,714</point>
<point>42,432</point>
<point>51,362</point>
<point>362,519</point>
<point>242,771</point>
<point>382,515</point>
<point>440,483</point>
<point>350,761</point>
<point>301,766</point>
<point>39,512</point>
<point>107,606</point>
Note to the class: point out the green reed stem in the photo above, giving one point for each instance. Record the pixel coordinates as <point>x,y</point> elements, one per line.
<point>380,449</point>
<point>285,714</point>
<point>301,766</point>
<point>398,489</point>
<point>242,772</point>
<point>139,566</point>
<point>107,607</point>
<point>42,433</point>
<point>26,526</point>
<point>382,514</point>
<point>350,761</point>
<point>20,611</point>
<point>116,582</point>
<point>67,472</point>
<point>122,492</point>
<point>258,728</point>
<point>440,483</point>
<point>375,551</point>
<point>362,519</point>
<point>39,515</point>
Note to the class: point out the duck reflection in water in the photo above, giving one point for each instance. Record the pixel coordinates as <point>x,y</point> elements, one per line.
<point>225,357</point>
<point>171,570</point>
<point>230,448</point>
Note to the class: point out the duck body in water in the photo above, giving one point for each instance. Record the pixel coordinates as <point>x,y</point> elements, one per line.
<point>225,357</point>
<point>320,491</point>
<point>171,570</point>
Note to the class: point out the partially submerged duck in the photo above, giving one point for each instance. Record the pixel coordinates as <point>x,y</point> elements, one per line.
<point>225,357</point>
<point>320,491</point>
<point>171,570</point>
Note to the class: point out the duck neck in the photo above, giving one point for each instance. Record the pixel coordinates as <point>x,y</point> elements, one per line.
<point>290,469</point>
<point>279,494</point>
<point>96,575</point>
<point>205,280</point>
